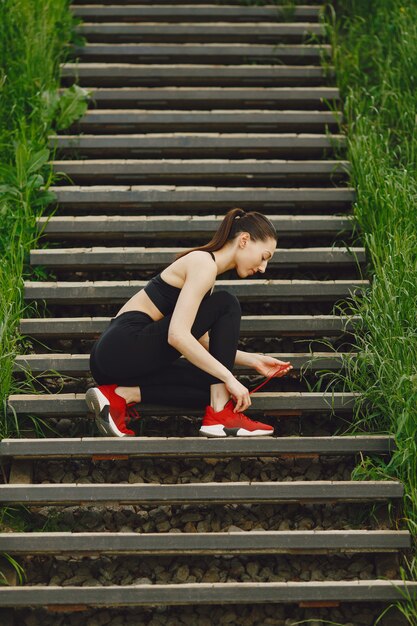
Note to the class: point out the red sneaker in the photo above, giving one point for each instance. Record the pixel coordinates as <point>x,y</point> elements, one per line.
<point>109,409</point>
<point>225,422</point>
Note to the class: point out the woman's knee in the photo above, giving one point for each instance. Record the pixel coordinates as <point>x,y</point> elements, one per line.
<point>227,299</point>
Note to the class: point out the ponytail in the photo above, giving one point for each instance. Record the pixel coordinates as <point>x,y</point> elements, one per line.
<point>235,221</point>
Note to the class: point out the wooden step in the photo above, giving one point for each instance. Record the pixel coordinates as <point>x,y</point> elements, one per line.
<point>250,326</point>
<point>134,257</point>
<point>190,13</point>
<point>206,171</point>
<point>184,198</point>
<point>317,491</point>
<point>227,145</point>
<point>208,593</point>
<point>187,88</point>
<point>79,363</point>
<point>224,53</point>
<point>240,3</point>
<point>254,542</point>
<point>189,226</point>
<point>282,403</point>
<point>198,447</point>
<point>255,290</point>
<point>262,32</point>
<point>306,98</point>
<point>114,121</point>
<point>125,74</point>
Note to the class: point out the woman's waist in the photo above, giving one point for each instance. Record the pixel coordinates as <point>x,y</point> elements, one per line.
<point>141,303</point>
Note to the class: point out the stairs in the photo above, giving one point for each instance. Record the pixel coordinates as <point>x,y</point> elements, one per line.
<point>197,108</point>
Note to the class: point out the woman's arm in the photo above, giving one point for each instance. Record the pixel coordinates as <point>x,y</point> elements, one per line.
<point>199,277</point>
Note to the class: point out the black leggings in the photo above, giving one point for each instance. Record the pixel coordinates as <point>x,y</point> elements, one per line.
<point>134,350</point>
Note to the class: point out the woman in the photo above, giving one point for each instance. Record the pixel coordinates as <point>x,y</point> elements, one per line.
<point>137,358</point>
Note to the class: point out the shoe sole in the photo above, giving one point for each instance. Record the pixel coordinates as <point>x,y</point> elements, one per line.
<point>99,405</point>
<point>219,430</point>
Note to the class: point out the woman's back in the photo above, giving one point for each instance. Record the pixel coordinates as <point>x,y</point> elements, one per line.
<point>159,296</point>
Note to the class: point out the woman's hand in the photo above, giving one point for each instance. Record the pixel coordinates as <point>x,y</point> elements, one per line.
<point>239,393</point>
<point>265,365</point>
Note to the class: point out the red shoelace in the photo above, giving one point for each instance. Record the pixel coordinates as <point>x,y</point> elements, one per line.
<point>132,414</point>
<point>275,370</point>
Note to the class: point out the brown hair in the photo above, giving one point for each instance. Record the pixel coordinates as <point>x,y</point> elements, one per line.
<point>235,221</point>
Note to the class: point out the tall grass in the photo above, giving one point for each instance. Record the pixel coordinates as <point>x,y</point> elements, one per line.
<point>35,38</point>
<point>374,52</point>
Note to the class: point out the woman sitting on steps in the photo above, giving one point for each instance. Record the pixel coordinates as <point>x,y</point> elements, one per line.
<point>137,357</point>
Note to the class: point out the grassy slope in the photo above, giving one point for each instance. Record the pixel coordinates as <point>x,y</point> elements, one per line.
<point>374,52</point>
<point>34,40</point>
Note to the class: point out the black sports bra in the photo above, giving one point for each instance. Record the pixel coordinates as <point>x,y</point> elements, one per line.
<point>164,295</point>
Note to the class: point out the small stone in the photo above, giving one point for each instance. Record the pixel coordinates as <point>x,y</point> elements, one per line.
<point>135,478</point>
<point>182,573</point>
<point>313,472</point>
<point>305,524</point>
<point>75,580</point>
<point>144,580</point>
<point>229,618</point>
<point>97,475</point>
<point>191,516</point>
<point>284,525</point>
<point>211,576</point>
<point>317,575</point>
<point>252,568</point>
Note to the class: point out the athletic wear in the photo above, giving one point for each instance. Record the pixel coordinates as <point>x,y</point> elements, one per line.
<point>164,295</point>
<point>226,422</point>
<point>134,350</point>
<point>109,409</point>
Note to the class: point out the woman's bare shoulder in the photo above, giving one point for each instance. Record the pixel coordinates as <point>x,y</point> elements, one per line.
<point>197,256</point>
<point>177,271</point>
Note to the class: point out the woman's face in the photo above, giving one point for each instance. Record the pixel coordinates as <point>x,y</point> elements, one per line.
<point>253,256</point>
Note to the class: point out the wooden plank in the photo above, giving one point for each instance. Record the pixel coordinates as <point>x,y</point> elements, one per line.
<point>124,74</point>
<point>108,121</point>
<point>250,325</point>
<point>72,404</point>
<point>118,291</point>
<point>201,32</point>
<point>79,363</point>
<point>316,98</point>
<point>253,542</point>
<point>190,13</point>
<point>221,493</point>
<point>210,593</point>
<point>191,227</point>
<point>199,447</point>
<point>134,257</point>
<point>278,145</point>
<point>196,53</point>
<point>173,3</point>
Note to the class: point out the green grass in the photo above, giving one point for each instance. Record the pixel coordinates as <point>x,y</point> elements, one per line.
<point>374,52</point>
<point>35,38</point>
